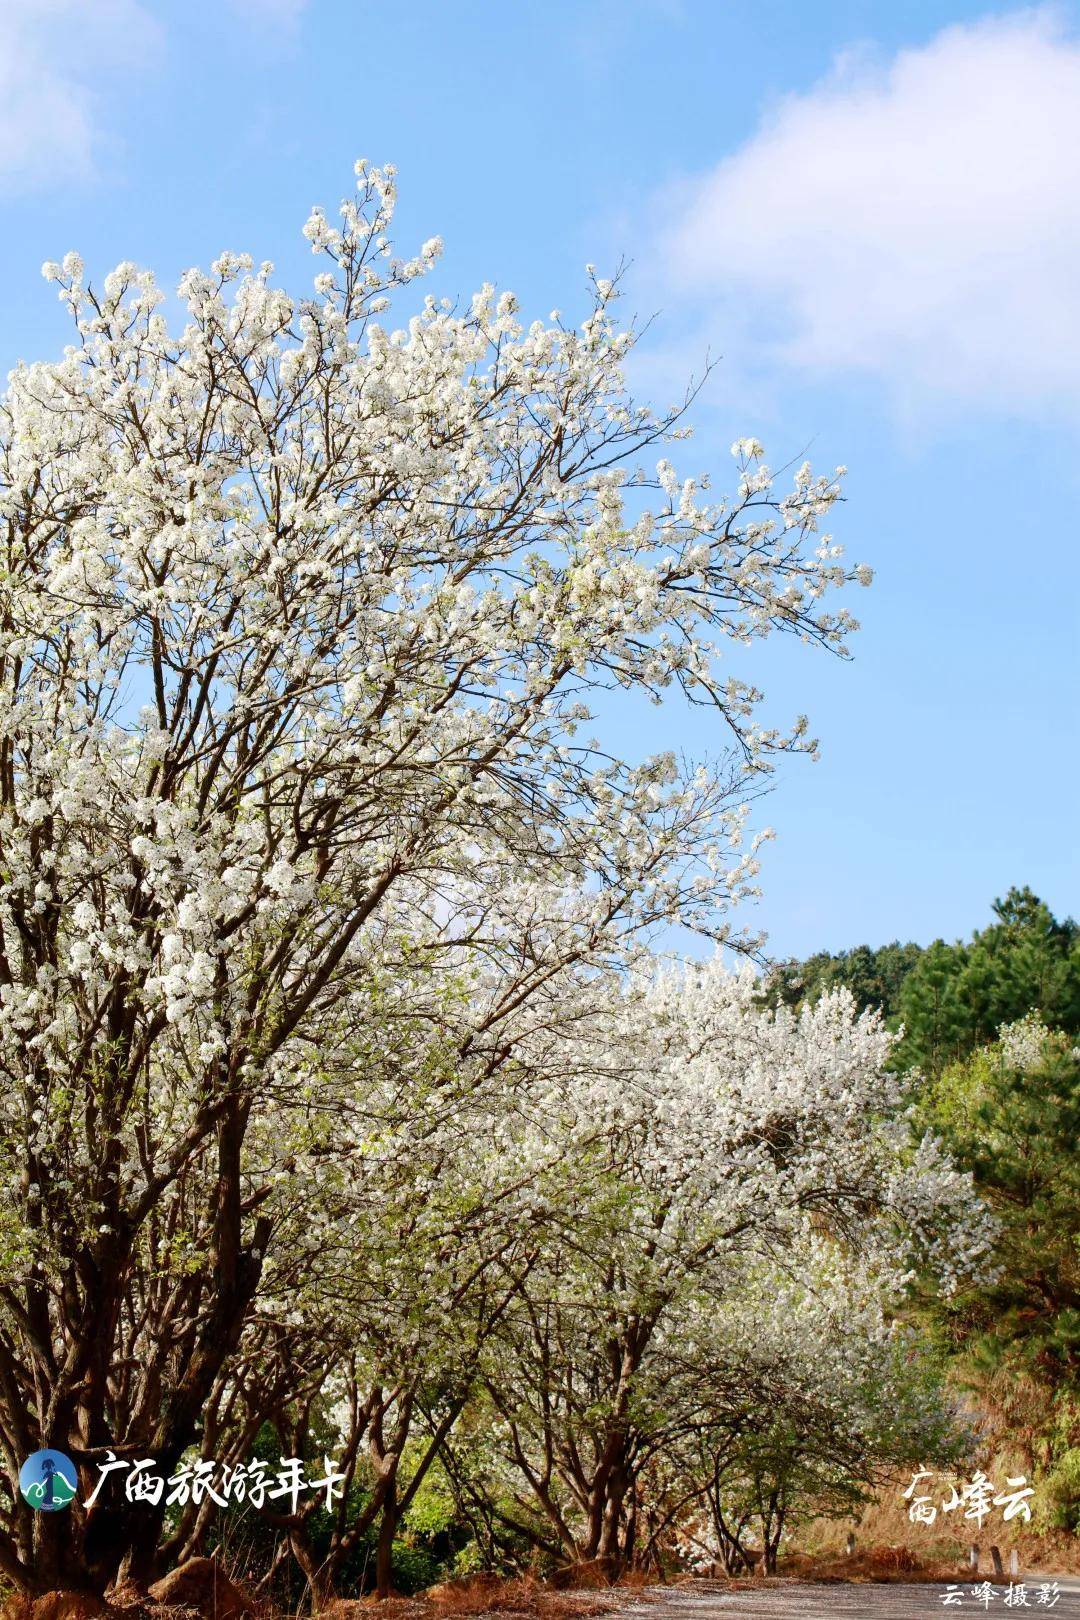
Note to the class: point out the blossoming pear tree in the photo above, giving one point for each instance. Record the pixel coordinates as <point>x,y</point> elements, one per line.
<point>300,615</point>
<point>739,1143</point>
<point>405,1232</point>
<point>552,1227</point>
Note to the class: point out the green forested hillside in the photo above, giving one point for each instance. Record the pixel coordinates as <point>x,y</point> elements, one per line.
<point>951,998</point>
<point>992,1022</point>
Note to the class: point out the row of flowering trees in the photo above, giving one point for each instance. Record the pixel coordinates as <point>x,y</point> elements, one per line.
<point>336,1069</point>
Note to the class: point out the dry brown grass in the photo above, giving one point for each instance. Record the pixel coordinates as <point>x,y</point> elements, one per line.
<point>884,1525</point>
<point>487,1595</point>
<point>874,1564</point>
<point>934,1562</point>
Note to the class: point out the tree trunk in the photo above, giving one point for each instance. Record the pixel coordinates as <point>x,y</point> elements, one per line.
<point>608,1551</point>
<point>125,1534</point>
<point>319,1579</point>
<point>384,1553</point>
<point>631,1530</point>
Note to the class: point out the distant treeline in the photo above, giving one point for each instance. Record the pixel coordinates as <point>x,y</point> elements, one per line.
<point>952,998</point>
<point>992,1022</point>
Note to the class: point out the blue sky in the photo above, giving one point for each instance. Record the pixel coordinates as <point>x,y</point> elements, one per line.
<point>870,213</point>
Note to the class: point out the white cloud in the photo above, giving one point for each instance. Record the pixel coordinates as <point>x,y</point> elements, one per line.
<point>52,55</point>
<point>916,220</point>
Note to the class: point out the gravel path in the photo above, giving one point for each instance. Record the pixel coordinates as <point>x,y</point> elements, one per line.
<point>807,1600</point>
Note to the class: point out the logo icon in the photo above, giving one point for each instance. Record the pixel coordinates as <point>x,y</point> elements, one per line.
<point>47,1480</point>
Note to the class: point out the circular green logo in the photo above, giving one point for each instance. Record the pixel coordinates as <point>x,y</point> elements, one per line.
<point>47,1480</point>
